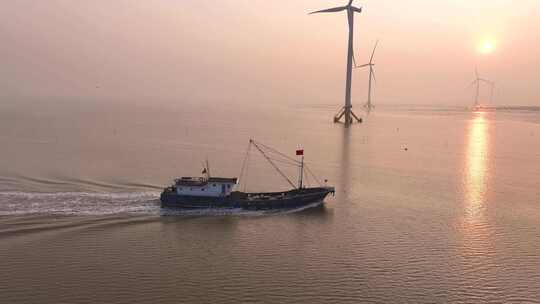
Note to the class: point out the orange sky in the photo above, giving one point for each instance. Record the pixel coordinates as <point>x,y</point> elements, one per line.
<point>269,51</point>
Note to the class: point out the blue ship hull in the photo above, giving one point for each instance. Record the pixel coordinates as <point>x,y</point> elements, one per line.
<point>249,201</point>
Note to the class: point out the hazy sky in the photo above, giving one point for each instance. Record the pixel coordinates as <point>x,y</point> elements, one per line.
<point>266,51</point>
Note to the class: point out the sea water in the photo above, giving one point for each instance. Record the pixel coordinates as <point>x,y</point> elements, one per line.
<point>432,205</point>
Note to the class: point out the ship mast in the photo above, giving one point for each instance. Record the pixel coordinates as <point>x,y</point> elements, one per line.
<point>301,175</point>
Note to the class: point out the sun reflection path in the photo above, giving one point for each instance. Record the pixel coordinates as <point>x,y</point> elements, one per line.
<point>475,226</point>
<point>476,165</point>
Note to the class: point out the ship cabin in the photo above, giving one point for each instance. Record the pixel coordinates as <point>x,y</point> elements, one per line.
<point>205,186</point>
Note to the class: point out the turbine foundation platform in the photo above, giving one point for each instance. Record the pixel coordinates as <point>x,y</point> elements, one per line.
<point>348,115</point>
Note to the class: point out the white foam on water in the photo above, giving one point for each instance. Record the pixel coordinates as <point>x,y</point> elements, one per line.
<point>86,203</point>
<point>78,203</point>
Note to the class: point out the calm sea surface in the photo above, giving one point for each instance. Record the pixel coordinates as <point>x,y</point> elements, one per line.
<point>431,206</point>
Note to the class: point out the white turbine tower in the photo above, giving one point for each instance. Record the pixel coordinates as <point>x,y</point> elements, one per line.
<point>347,109</point>
<point>477,81</point>
<point>369,105</point>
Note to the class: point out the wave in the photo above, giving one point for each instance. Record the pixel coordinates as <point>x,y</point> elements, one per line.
<point>70,184</point>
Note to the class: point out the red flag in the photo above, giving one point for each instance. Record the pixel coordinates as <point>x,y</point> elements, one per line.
<point>300,152</point>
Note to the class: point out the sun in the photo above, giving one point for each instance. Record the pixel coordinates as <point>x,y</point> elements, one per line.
<point>487,46</point>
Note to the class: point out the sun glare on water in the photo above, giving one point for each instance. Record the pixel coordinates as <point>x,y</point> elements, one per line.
<point>487,46</point>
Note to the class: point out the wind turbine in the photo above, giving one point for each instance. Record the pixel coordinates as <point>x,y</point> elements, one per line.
<point>347,109</point>
<point>492,90</point>
<point>477,81</point>
<point>368,105</point>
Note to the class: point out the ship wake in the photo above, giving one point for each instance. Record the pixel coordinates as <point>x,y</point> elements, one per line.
<point>135,203</point>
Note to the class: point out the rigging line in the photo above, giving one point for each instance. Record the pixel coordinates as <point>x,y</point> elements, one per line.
<point>276,156</point>
<point>284,162</point>
<point>241,177</point>
<point>272,163</point>
<point>307,180</point>
<point>280,159</point>
<point>245,174</point>
<point>298,163</point>
<point>313,175</point>
<point>277,152</point>
<point>247,171</point>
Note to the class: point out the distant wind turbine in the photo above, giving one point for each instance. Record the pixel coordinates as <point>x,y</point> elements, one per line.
<point>369,105</point>
<point>477,81</point>
<point>347,109</point>
<point>492,90</point>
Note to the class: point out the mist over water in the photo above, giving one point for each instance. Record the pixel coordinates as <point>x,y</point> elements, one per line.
<point>104,103</point>
<point>432,205</point>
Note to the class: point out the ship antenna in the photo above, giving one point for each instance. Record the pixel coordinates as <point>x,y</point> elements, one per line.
<point>207,168</point>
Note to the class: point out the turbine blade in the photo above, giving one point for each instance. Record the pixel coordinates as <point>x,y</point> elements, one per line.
<point>476,72</point>
<point>356,9</point>
<point>350,2</point>
<point>373,53</point>
<point>330,10</point>
<point>362,66</point>
<point>353,60</point>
